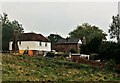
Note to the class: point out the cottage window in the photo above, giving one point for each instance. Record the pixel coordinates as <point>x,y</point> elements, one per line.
<point>45,43</point>
<point>19,42</point>
<point>40,44</point>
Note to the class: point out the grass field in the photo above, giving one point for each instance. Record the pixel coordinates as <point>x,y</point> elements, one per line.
<point>37,68</point>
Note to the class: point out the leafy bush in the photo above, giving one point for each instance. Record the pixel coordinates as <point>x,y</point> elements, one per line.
<point>110,64</point>
<point>59,58</point>
<point>84,49</point>
<point>50,54</point>
<point>110,50</point>
<point>105,50</point>
<point>94,44</point>
<point>91,47</point>
<point>94,56</point>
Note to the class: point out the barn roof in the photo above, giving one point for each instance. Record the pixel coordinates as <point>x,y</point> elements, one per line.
<point>32,37</point>
<point>70,40</point>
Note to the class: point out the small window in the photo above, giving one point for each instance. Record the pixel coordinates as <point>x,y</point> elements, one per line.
<point>45,43</point>
<point>40,44</point>
<point>19,42</point>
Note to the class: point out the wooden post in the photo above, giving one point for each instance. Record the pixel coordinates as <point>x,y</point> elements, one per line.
<point>78,48</point>
<point>69,54</point>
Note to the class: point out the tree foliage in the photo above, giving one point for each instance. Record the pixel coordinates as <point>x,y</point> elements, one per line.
<point>91,47</point>
<point>110,50</point>
<point>54,38</point>
<point>94,45</point>
<point>115,28</point>
<point>9,29</point>
<point>86,32</point>
<point>91,37</point>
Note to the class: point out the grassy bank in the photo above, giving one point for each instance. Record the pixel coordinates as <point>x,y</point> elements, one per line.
<point>26,68</point>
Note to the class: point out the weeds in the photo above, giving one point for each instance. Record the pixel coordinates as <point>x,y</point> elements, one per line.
<point>37,68</point>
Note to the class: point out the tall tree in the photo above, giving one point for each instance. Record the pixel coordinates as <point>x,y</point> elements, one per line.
<point>91,37</point>
<point>17,30</point>
<point>86,32</point>
<point>9,30</point>
<point>6,31</point>
<point>115,28</point>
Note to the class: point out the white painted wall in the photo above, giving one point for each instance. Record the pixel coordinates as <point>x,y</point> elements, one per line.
<point>32,45</point>
<point>43,47</point>
<point>10,45</point>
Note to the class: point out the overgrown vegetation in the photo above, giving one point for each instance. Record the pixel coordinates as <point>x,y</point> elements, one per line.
<point>110,50</point>
<point>37,68</point>
<point>105,51</point>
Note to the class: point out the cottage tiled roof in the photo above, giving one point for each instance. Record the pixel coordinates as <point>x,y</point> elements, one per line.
<point>70,40</point>
<point>32,37</point>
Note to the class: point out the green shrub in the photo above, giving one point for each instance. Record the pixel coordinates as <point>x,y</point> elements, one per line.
<point>50,54</point>
<point>59,58</point>
<point>110,50</point>
<point>91,47</point>
<point>94,56</point>
<point>110,64</point>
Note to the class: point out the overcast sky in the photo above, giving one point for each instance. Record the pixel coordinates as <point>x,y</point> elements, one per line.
<point>60,17</point>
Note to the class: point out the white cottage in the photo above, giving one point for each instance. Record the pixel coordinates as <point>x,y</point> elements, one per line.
<point>32,41</point>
